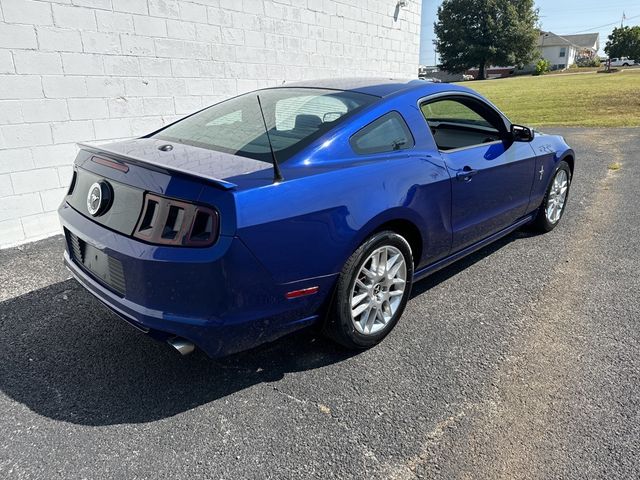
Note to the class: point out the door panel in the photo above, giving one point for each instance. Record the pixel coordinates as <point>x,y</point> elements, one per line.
<point>491,176</point>
<point>490,187</point>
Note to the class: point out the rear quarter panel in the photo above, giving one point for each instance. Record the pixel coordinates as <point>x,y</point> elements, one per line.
<point>332,200</point>
<point>308,227</point>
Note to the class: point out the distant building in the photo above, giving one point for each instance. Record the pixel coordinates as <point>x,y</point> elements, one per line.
<point>433,72</point>
<point>562,51</point>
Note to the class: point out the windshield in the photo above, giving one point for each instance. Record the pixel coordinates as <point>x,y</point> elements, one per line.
<point>295,117</point>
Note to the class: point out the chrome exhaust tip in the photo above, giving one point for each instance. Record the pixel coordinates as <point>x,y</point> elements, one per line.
<point>184,347</point>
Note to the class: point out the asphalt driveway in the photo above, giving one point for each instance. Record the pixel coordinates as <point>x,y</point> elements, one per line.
<point>521,361</point>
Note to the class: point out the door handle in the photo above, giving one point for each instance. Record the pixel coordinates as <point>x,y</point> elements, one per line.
<point>466,174</point>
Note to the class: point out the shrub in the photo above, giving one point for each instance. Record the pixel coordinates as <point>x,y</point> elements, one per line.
<point>588,62</point>
<point>542,67</point>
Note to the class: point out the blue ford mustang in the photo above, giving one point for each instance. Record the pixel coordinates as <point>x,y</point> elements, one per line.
<point>313,203</point>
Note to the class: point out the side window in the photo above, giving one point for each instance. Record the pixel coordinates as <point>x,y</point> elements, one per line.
<point>462,122</point>
<point>563,52</point>
<point>452,111</point>
<point>386,134</point>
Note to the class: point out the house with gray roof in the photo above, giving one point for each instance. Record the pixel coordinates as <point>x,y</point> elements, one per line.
<point>562,51</point>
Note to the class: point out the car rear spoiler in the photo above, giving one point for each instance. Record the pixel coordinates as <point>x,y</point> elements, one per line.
<point>158,166</point>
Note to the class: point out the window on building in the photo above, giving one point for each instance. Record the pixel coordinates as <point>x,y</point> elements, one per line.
<point>563,52</point>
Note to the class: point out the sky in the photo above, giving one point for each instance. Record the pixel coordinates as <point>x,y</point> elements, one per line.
<point>557,16</point>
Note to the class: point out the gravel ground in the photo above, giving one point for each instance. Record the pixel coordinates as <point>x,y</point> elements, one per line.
<point>521,361</point>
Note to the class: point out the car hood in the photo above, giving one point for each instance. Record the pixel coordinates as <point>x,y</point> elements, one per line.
<point>211,165</point>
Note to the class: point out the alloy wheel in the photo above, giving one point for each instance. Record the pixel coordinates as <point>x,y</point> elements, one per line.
<point>378,290</point>
<point>557,196</point>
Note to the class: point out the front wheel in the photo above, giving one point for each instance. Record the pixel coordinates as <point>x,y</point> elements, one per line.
<point>555,200</point>
<point>372,291</point>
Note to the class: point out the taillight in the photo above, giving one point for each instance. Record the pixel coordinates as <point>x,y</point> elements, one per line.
<point>166,221</point>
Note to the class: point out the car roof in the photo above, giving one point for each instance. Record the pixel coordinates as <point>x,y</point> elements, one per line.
<point>380,87</point>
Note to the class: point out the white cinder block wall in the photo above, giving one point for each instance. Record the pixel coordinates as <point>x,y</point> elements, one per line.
<point>96,70</point>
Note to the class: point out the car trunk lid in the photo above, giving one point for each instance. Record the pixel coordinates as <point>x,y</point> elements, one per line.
<point>210,166</point>
<point>132,172</point>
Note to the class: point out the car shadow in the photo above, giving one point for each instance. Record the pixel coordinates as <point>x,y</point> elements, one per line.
<point>66,357</point>
<point>455,268</point>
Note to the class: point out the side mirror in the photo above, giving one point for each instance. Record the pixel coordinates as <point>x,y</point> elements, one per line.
<point>520,133</point>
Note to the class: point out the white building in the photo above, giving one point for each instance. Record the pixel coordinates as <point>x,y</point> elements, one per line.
<point>97,70</point>
<point>563,51</point>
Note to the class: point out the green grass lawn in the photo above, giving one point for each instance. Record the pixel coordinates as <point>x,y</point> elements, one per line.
<point>588,100</point>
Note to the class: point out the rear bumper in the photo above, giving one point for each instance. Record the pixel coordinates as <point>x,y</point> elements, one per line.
<point>220,298</point>
<point>105,296</point>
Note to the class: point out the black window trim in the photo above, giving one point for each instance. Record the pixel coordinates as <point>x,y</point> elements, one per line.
<point>452,95</point>
<point>405,127</point>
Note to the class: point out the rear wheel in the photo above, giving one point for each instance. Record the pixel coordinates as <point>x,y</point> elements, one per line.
<point>372,291</point>
<point>555,200</point>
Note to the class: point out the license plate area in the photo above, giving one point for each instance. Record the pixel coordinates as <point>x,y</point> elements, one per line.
<point>104,268</point>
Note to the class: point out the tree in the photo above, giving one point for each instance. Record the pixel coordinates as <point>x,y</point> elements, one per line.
<point>624,42</point>
<point>480,33</point>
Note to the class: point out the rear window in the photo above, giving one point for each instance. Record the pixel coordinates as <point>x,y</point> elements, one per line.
<point>386,134</point>
<point>295,117</point>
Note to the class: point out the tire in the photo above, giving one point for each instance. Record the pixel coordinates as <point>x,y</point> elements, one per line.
<point>375,289</point>
<point>544,221</point>
<point>625,64</point>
